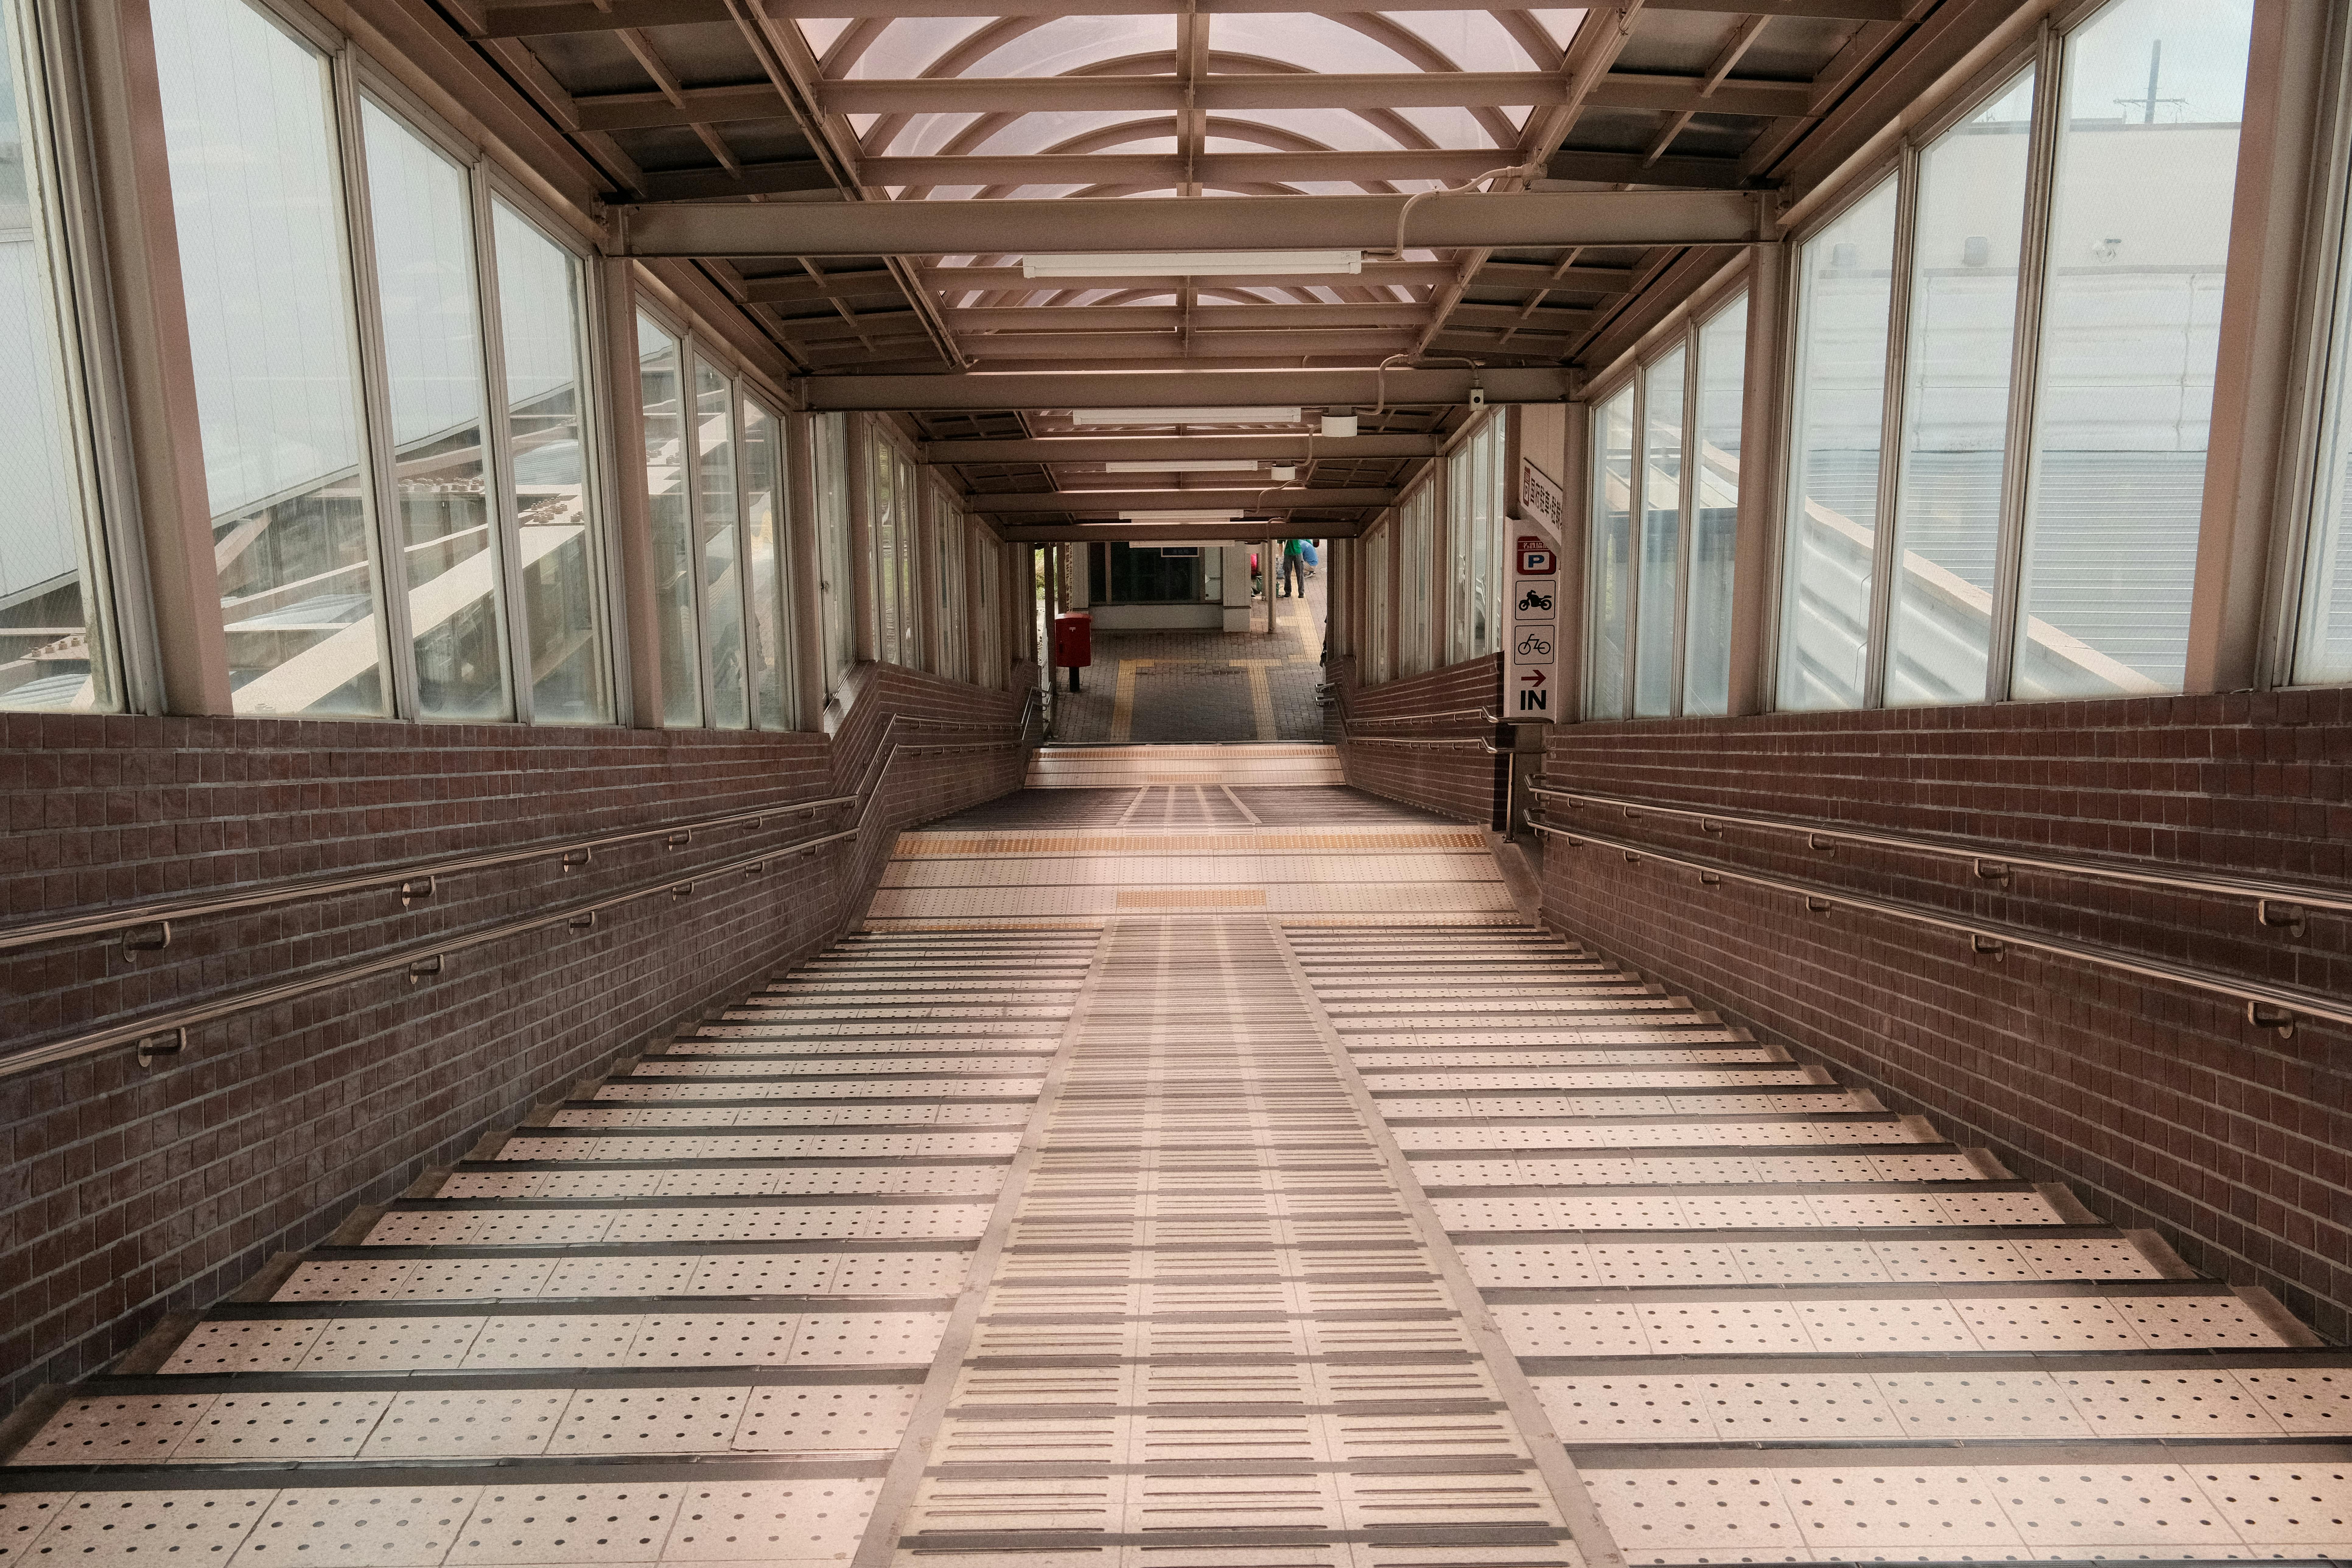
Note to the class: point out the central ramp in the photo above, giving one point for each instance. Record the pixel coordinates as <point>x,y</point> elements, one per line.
<point>1214,1317</point>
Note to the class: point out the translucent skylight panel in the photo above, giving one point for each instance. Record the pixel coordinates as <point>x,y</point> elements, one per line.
<point>820,33</point>
<point>1065,44</point>
<point>910,46</point>
<point>1473,40</point>
<point>926,134</point>
<point>1560,25</point>
<point>1042,132</point>
<point>1289,38</point>
<point>1341,130</point>
<point>1459,128</point>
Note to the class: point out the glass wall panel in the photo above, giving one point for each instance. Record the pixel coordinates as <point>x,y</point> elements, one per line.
<point>829,436</point>
<point>2139,235</point>
<point>1473,489</point>
<point>256,196</point>
<point>1419,524</point>
<point>885,572</point>
<point>421,213</point>
<point>542,307</point>
<point>722,579</point>
<point>55,650</point>
<point>907,486</point>
<point>1379,662</point>
<point>1609,593</point>
<point>661,382</point>
<point>1714,508</point>
<point>773,697</point>
<point>1658,578</point>
<point>1968,236</point>
<point>1845,278</point>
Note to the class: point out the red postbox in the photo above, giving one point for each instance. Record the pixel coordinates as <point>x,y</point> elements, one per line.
<point>1074,642</point>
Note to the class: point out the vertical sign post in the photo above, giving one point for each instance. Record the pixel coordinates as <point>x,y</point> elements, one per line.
<point>1531,692</point>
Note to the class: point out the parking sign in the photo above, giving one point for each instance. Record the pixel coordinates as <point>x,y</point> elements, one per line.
<point>1531,648</point>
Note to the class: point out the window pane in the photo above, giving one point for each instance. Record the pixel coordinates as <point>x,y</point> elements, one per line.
<point>422,221</point>
<point>886,553</point>
<point>722,583</point>
<point>1376,599</point>
<point>659,374</point>
<point>1419,526</point>
<point>1611,589</point>
<point>1458,529</point>
<point>2139,236</point>
<point>248,122</point>
<point>830,435</point>
<point>1714,509</point>
<point>1972,214</point>
<point>53,653</point>
<point>1845,275</point>
<point>1660,574</point>
<point>540,308</point>
<point>763,531</point>
<point>905,490</point>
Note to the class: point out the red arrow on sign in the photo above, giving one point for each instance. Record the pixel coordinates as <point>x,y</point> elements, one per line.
<point>1532,677</point>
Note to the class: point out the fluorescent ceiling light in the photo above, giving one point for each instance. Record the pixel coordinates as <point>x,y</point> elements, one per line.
<point>1184,416</point>
<point>1218,517</point>
<point>1188,466</point>
<point>1191,263</point>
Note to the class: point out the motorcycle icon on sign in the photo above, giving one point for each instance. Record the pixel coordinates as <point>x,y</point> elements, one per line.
<point>1534,647</point>
<point>1532,600</point>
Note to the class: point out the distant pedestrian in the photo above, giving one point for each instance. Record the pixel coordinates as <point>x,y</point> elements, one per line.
<point>1293,571</point>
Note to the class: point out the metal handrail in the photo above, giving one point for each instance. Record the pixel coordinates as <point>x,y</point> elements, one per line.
<point>1486,714</point>
<point>413,960</point>
<point>1994,863</point>
<point>2284,1004</point>
<point>161,912</point>
<point>174,1023</point>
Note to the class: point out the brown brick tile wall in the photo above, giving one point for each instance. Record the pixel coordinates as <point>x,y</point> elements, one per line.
<point>124,1193</point>
<point>2158,1103</point>
<point>1459,781</point>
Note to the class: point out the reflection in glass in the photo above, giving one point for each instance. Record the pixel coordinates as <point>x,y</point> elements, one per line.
<point>763,497</point>
<point>886,553</point>
<point>663,390</point>
<point>1376,604</point>
<point>1420,515</point>
<point>2154,90</point>
<point>1964,269</point>
<point>1660,574</point>
<point>540,308</point>
<point>722,583</point>
<point>829,435</point>
<point>248,122</point>
<point>1610,589</point>
<point>910,505</point>
<point>1845,275</point>
<point>422,223</point>
<point>1714,508</point>
<point>53,653</point>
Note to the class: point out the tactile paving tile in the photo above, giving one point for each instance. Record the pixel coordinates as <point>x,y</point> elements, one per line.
<point>828,1418</point>
<point>1675,1516</point>
<point>2302,1400</point>
<point>391,1344</point>
<point>1977,1404</point>
<point>173,1526</point>
<point>246,1428</point>
<point>606,1421</point>
<point>1947,1510</point>
<point>449,1424</point>
<point>550,1524</point>
<point>2094,1505</point>
<point>371,1527</point>
<point>817,1519</point>
<point>236,1345</point>
<point>129,1430</point>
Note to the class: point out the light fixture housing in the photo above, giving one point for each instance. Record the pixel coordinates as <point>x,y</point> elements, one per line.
<point>1188,466</point>
<point>1285,472</point>
<point>1191,263</point>
<point>1341,427</point>
<point>1251,416</point>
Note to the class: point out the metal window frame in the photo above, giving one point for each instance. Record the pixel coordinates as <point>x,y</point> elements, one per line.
<point>2322,375</point>
<point>60,178</point>
<point>787,649</point>
<point>648,310</point>
<point>1596,473</point>
<point>700,355</point>
<point>1693,464</point>
<point>598,471</point>
<point>1901,161</point>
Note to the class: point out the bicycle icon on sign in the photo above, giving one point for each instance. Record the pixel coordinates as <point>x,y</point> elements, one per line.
<point>1531,600</point>
<point>1534,647</point>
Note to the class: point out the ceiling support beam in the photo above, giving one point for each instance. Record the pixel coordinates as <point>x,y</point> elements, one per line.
<point>1176,345</point>
<point>1262,497</point>
<point>1200,318</point>
<point>1844,10</point>
<point>1243,92</point>
<point>1204,223</point>
<point>1117,532</point>
<point>1338,388</point>
<point>1176,449</point>
<point>1151,169</point>
<point>1375,275</point>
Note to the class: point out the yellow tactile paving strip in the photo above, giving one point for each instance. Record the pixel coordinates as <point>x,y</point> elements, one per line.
<point>1195,898</point>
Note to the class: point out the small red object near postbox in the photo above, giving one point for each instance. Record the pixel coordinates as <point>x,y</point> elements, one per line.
<point>1074,642</point>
